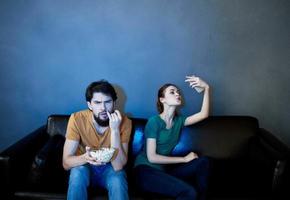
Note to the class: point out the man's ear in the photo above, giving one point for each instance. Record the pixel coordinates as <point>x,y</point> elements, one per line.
<point>89,105</point>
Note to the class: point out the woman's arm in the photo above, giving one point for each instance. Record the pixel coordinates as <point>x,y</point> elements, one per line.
<point>204,112</point>
<point>153,157</point>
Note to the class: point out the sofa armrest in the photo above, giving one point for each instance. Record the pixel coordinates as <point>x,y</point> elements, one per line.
<point>275,146</point>
<point>4,177</point>
<point>280,152</point>
<point>268,152</point>
<point>16,160</point>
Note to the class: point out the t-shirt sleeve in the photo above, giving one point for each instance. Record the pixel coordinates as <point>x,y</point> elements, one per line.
<point>126,130</point>
<point>182,120</point>
<point>72,132</point>
<point>151,128</point>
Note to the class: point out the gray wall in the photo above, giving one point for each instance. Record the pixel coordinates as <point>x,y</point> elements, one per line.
<point>51,50</point>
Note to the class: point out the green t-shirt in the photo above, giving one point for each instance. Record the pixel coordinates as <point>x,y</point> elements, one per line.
<point>166,139</point>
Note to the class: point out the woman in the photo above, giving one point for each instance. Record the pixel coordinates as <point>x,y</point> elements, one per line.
<point>155,169</point>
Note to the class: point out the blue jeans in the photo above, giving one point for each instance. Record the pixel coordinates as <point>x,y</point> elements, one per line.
<point>181,181</point>
<point>105,176</point>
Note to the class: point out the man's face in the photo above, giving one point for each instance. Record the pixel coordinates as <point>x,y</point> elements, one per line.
<point>100,105</point>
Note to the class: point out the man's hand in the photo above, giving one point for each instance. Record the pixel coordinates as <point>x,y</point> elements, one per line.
<point>115,119</point>
<point>90,159</point>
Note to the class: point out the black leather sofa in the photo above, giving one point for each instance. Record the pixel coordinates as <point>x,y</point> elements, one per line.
<point>247,162</point>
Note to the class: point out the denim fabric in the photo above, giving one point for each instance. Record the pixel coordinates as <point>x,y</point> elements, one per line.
<point>104,176</point>
<point>177,180</point>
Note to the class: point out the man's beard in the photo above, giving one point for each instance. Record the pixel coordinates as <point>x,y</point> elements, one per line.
<point>103,123</point>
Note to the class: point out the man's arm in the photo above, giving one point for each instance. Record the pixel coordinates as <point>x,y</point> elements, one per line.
<point>121,159</point>
<point>70,160</point>
<point>122,148</point>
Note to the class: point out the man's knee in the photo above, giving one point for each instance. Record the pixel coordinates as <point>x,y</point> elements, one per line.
<point>117,180</point>
<point>79,176</point>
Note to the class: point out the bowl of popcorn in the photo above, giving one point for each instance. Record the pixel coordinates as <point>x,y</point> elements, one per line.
<point>103,154</point>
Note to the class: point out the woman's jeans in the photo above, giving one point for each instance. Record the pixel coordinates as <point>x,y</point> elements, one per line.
<point>105,176</point>
<point>174,181</point>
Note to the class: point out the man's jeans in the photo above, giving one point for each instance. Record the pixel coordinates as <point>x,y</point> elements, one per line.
<point>105,176</point>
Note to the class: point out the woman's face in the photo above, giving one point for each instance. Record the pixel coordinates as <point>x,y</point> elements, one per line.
<point>171,96</point>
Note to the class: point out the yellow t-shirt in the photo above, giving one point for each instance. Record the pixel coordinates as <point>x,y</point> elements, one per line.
<point>81,128</point>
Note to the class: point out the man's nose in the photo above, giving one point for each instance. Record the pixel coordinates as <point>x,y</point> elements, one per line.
<point>103,106</point>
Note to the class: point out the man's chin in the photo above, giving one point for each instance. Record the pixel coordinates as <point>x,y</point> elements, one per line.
<point>102,122</point>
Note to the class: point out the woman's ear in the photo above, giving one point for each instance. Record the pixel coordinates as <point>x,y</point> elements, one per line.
<point>161,99</point>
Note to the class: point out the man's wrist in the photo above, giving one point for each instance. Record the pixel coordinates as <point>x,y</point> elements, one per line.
<point>115,131</point>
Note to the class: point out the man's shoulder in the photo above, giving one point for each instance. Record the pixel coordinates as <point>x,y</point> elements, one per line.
<point>125,119</point>
<point>82,114</point>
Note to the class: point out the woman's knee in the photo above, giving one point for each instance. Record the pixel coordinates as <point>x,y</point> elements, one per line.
<point>188,193</point>
<point>202,163</point>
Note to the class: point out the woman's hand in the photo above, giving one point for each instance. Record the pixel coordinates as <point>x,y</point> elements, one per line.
<point>196,82</point>
<point>189,157</point>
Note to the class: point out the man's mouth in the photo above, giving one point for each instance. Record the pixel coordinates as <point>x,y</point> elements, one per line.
<point>103,114</point>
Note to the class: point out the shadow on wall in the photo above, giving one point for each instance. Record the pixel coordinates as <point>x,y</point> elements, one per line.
<point>121,101</point>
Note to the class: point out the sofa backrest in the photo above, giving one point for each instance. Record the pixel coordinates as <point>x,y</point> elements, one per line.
<point>220,137</point>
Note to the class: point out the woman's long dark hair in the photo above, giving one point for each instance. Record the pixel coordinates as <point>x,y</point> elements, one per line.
<point>161,91</point>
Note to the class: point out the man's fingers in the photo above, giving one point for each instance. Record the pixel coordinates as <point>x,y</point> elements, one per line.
<point>118,114</point>
<point>88,148</point>
<point>109,115</point>
<point>113,116</point>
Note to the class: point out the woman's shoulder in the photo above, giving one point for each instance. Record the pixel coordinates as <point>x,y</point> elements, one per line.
<point>154,120</point>
<point>180,119</point>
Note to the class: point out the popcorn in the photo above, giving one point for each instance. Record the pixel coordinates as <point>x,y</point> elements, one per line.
<point>102,155</point>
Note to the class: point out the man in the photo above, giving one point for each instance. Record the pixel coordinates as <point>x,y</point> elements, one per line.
<point>94,128</point>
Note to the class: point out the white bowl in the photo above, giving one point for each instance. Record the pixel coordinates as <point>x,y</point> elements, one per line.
<point>103,154</point>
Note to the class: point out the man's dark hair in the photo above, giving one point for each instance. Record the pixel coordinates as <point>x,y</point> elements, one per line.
<point>101,86</point>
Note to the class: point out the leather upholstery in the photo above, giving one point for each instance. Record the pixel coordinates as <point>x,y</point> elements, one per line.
<point>243,157</point>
